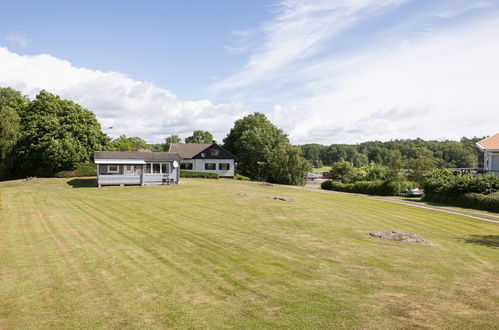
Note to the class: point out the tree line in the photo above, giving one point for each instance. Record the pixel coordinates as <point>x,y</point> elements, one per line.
<point>47,135</point>
<point>444,154</point>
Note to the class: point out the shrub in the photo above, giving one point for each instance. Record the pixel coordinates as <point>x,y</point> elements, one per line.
<point>470,200</point>
<point>241,177</point>
<point>444,182</point>
<point>82,169</point>
<point>194,174</point>
<point>383,188</point>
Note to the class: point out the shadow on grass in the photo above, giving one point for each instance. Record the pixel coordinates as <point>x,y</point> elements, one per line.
<point>83,183</point>
<point>484,240</point>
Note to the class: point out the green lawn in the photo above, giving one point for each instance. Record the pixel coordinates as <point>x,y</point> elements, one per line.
<point>320,170</point>
<point>224,254</point>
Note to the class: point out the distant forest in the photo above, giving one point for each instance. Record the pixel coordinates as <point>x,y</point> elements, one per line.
<point>447,154</point>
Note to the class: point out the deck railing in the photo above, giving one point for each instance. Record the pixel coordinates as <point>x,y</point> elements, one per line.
<point>118,179</point>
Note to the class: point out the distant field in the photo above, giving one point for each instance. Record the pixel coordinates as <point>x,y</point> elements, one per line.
<point>322,169</point>
<point>224,254</point>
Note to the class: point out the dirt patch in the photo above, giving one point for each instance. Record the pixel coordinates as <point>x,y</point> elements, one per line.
<point>266,184</point>
<point>397,236</point>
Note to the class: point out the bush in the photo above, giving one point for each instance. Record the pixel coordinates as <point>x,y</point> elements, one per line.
<point>382,188</point>
<point>444,182</point>
<point>241,177</point>
<point>193,174</point>
<point>82,169</point>
<point>470,200</point>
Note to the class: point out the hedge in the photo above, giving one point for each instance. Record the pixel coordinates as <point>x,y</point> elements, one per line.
<point>382,188</point>
<point>241,177</point>
<point>194,174</point>
<point>470,200</point>
<point>83,169</point>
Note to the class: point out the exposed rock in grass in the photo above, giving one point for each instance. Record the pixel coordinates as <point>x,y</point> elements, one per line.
<point>286,199</point>
<point>266,184</point>
<point>397,236</point>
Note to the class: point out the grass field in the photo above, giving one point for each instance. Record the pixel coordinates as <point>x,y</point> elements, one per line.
<point>224,254</point>
<point>320,170</point>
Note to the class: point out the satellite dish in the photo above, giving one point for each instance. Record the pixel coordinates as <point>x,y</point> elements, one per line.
<point>175,164</point>
<point>203,154</point>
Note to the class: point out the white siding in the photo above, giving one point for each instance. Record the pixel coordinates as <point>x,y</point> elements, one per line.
<point>199,166</point>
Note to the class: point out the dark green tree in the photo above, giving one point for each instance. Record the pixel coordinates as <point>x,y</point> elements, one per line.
<point>199,136</point>
<point>11,103</point>
<point>258,143</point>
<point>56,135</point>
<point>343,171</point>
<point>124,143</point>
<point>171,139</point>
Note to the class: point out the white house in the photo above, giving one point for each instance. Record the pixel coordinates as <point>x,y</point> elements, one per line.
<point>136,168</point>
<point>490,148</point>
<point>205,157</point>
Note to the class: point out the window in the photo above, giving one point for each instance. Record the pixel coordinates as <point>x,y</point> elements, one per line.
<point>186,166</point>
<point>156,168</point>
<point>224,166</point>
<point>210,166</point>
<point>148,169</point>
<point>165,168</point>
<point>113,169</point>
<point>214,152</point>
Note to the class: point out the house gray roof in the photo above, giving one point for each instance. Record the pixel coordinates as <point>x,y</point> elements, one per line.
<point>188,150</point>
<point>147,156</point>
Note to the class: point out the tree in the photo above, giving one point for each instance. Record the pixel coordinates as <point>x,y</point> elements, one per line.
<point>264,151</point>
<point>421,164</point>
<point>199,136</point>
<point>56,135</point>
<point>343,171</point>
<point>11,102</point>
<point>171,139</point>
<point>286,165</point>
<point>124,143</point>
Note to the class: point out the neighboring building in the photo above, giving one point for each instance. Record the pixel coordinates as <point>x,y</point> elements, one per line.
<point>490,148</point>
<point>136,168</point>
<point>205,157</point>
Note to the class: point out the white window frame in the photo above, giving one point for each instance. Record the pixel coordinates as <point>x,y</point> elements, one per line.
<point>117,169</point>
<point>214,169</point>
<point>220,169</point>
<point>187,169</point>
<point>160,168</point>
<point>167,168</point>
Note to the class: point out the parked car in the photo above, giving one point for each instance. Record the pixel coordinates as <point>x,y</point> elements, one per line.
<point>412,193</point>
<point>313,176</point>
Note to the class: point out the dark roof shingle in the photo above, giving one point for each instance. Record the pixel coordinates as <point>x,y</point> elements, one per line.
<point>147,156</point>
<point>188,150</point>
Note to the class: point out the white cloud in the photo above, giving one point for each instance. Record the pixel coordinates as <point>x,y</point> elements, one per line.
<point>298,32</point>
<point>131,107</point>
<point>17,39</point>
<point>442,85</point>
<point>463,8</point>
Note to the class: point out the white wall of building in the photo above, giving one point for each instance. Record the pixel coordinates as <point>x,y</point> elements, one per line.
<point>198,165</point>
<point>491,161</point>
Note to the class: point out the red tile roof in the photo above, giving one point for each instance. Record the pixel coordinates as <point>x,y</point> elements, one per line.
<point>490,143</point>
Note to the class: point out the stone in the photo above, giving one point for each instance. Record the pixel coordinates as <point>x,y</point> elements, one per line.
<point>286,199</point>
<point>398,236</point>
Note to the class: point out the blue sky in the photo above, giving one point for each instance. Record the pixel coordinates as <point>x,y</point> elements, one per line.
<point>325,71</point>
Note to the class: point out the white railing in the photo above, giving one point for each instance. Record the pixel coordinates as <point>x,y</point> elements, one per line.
<point>117,179</point>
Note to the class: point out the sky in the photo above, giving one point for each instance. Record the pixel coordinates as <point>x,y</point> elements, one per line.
<point>333,71</point>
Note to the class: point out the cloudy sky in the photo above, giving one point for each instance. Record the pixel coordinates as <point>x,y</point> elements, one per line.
<point>336,71</point>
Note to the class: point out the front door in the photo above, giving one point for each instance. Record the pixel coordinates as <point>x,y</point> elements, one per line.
<point>129,169</point>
